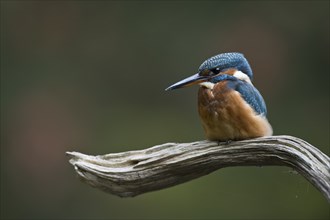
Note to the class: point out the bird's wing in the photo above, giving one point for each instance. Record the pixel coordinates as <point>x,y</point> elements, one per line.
<point>252,96</point>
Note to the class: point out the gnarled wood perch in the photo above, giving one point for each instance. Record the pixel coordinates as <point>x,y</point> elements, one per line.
<point>132,173</point>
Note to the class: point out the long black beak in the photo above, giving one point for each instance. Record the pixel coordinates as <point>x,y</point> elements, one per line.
<point>194,79</point>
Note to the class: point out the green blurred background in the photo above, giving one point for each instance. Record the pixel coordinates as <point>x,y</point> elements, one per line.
<point>90,77</point>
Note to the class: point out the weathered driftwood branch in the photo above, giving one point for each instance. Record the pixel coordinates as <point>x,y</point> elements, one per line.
<point>135,172</point>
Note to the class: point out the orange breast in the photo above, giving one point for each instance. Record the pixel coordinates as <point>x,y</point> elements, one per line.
<point>226,116</point>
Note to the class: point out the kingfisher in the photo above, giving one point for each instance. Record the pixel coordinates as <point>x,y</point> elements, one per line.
<point>229,106</point>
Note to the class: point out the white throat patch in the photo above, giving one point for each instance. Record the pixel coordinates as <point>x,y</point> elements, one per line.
<point>242,76</point>
<point>208,85</point>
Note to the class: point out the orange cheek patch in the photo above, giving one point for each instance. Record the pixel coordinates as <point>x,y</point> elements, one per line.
<point>229,71</point>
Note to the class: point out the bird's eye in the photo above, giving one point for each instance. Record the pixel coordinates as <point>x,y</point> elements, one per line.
<point>210,72</point>
<point>215,70</point>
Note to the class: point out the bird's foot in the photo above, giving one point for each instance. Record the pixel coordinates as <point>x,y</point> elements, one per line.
<point>224,142</point>
<point>228,142</point>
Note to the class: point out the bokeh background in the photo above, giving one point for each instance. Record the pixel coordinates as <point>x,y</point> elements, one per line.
<point>90,76</point>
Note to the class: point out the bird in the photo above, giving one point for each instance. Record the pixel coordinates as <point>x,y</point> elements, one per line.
<point>229,106</point>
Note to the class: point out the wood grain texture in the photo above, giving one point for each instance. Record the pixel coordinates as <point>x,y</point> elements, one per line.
<point>132,173</point>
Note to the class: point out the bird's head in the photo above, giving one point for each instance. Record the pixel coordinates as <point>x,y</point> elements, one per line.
<point>218,68</point>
